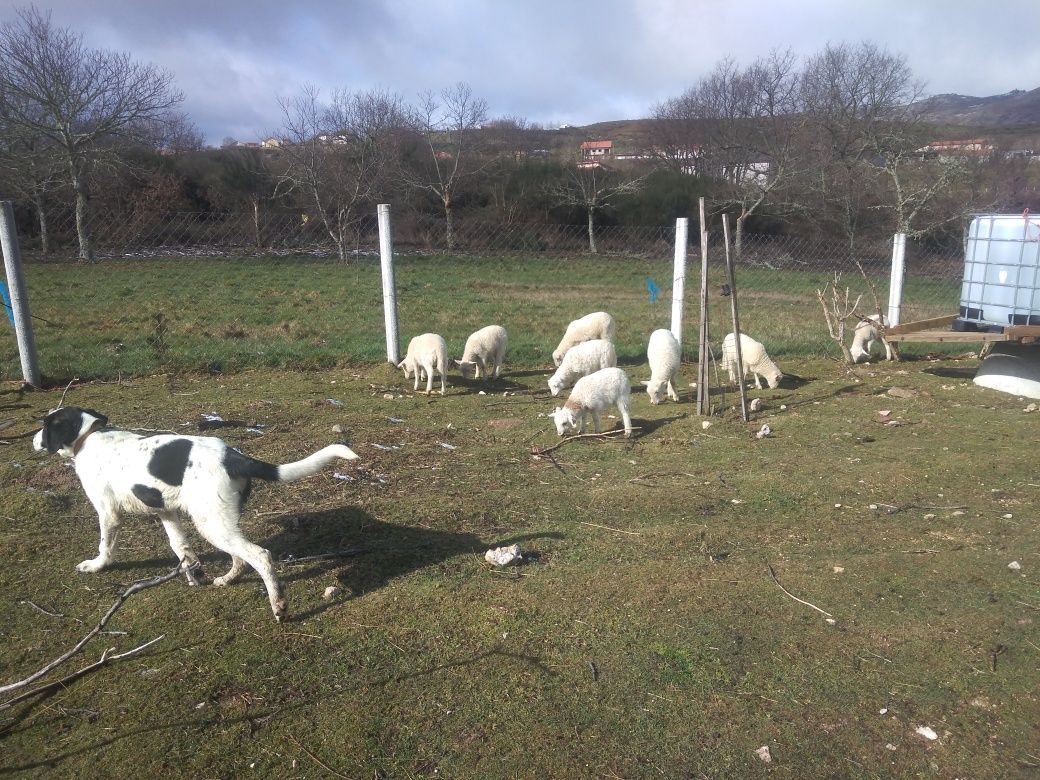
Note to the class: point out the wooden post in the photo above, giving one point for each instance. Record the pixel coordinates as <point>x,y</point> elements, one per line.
<point>19,297</point>
<point>731,280</point>
<point>703,396</point>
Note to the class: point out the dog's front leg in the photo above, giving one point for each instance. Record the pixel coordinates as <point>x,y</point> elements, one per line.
<point>108,520</point>
<point>182,547</point>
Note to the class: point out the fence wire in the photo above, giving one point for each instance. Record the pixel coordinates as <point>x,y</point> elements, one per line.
<point>225,292</point>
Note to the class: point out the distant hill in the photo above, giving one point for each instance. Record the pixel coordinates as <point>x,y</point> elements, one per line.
<point>1017,107</point>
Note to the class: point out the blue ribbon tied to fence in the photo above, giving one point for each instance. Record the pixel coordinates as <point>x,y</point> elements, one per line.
<point>653,289</point>
<point>6,299</point>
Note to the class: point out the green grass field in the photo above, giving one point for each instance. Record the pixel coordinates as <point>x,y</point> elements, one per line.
<point>227,314</point>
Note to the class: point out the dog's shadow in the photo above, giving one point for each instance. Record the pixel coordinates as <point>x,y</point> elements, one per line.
<point>371,553</point>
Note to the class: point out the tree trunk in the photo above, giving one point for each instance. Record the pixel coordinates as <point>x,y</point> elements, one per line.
<point>592,233</point>
<point>86,245</point>
<point>41,215</point>
<point>256,221</point>
<point>449,223</point>
<point>738,235</point>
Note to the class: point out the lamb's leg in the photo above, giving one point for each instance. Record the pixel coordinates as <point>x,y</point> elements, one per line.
<point>581,422</point>
<point>671,391</point>
<point>444,373</point>
<point>595,420</point>
<point>429,379</point>
<point>626,417</point>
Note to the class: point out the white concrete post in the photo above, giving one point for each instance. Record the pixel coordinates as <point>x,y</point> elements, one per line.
<point>682,228</point>
<point>895,286</point>
<point>19,298</point>
<point>386,262</point>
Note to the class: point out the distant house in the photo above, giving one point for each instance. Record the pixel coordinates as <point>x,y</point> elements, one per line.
<point>686,157</point>
<point>974,148</point>
<point>596,150</point>
<point>272,143</point>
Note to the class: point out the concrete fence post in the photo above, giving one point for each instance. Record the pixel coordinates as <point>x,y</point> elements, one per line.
<point>682,228</point>
<point>895,286</point>
<point>19,298</point>
<point>386,262</point>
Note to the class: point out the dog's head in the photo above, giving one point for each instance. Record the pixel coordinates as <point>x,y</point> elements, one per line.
<point>62,428</point>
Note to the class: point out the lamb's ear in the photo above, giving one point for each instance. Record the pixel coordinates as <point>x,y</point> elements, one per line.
<point>644,382</point>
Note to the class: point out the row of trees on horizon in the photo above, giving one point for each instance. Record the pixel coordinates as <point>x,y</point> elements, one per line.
<point>826,146</point>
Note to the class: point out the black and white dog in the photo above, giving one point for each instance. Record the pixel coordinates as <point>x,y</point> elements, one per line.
<point>198,477</point>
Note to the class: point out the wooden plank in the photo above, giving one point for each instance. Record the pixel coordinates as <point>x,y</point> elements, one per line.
<point>1016,332</point>
<point>912,327</point>
<point>951,336</point>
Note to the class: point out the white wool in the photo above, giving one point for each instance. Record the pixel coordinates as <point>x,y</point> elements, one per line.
<point>662,352</point>
<point>598,325</point>
<point>484,353</point>
<point>582,360</point>
<point>866,335</point>
<point>756,361</point>
<point>594,393</point>
<point>426,353</point>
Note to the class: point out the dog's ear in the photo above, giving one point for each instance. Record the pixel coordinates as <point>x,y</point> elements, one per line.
<point>61,428</point>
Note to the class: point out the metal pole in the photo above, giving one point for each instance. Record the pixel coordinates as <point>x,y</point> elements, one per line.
<point>731,278</point>
<point>895,286</point>
<point>386,262</point>
<point>682,232</point>
<point>19,298</point>
<point>703,397</point>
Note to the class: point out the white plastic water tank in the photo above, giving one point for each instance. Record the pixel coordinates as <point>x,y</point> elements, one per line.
<point>1001,283</point>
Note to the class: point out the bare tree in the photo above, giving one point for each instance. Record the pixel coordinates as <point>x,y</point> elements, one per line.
<point>340,154</point>
<point>593,189</point>
<point>244,176</point>
<point>450,128</point>
<point>750,122</point>
<point>32,170</point>
<point>83,101</point>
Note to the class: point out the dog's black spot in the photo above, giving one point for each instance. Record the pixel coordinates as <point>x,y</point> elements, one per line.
<point>63,427</point>
<point>169,461</point>
<point>148,496</point>
<point>239,466</point>
<point>244,495</point>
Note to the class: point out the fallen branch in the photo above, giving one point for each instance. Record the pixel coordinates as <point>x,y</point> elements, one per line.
<point>345,553</point>
<point>800,601</point>
<point>608,528</point>
<point>609,436</point>
<point>64,681</point>
<point>134,588</point>
<point>40,609</point>
<point>315,759</point>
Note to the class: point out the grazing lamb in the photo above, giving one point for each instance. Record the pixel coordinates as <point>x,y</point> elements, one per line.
<point>866,334</point>
<point>663,354</point>
<point>756,361</point>
<point>426,353</point>
<point>582,360</point>
<point>485,351</point>
<point>598,325</point>
<point>594,393</point>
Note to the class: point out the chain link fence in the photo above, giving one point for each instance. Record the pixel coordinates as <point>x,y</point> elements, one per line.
<point>225,292</point>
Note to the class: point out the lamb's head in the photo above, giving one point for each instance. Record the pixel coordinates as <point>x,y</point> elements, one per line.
<point>555,385</point>
<point>558,356</point>
<point>773,377</point>
<point>564,419</point>
<point>858,352</point>
<point>466,367</point>
<point>657,389</point>
<point>408,366</point>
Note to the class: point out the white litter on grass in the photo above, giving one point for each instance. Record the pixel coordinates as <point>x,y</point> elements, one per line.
<point>394,419</point>
<point>331,592</point>
<point>333,402</point>
<point>212,417</point>
<point>706,424</point>
<point>883,711</point>
<point>927,732</point>
<point>764,754</point>
<point>764,431</point>
<point>756,404</point>
<point>1015,566</point>
<point>344,477</point>
<point>503,556</point>
<point>783,407</point>
<point>1008,516</point>
<point>447,446</point>
<point>388,446</point>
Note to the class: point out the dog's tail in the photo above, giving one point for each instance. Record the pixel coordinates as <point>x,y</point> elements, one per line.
<point>240,465</point>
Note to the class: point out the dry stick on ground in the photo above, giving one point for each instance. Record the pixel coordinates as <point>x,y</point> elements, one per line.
<point>61,400</point>
<point>800,601</point>
<point>609,436</point>
<point>315,759</point>
<point>347,553</point>
<point>608,528</point>
<point>64,681</point>
<point>134,588</point>
<point>40,609</point>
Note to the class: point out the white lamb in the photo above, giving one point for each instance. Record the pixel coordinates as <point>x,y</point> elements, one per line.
<point>755,359</point>
<point>598,325</point>
<point>582,360</point>
<point>594,393</point>
<point>866,334</point>
<point>426,353</point>
<point>663,354</point>
<point>485,352</point>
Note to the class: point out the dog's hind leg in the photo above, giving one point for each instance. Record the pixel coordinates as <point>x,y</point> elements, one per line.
<point>180,545</point>
<point>108,520</point>
<point>220,529</point>
<point>237,567</point>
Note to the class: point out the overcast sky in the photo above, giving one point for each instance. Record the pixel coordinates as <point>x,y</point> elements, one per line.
<point>551,61</point>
